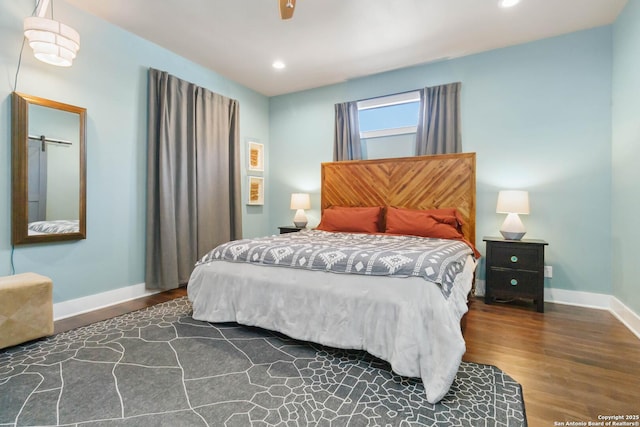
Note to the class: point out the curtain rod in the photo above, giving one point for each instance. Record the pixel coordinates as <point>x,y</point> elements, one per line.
<point>401,93</point>
<point>390,94</point>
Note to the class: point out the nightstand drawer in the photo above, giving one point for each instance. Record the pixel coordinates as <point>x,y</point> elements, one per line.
<point>513,282</point>
<point>518,257</point>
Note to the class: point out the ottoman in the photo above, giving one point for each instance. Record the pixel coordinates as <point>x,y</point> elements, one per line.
<point>26,308</point>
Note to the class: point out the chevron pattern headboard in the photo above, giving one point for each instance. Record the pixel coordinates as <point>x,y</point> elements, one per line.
<point>423,182</point>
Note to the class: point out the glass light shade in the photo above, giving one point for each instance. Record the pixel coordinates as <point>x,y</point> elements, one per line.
<point>300,201</point>
<point>52,42</point>
<point>513,201</point>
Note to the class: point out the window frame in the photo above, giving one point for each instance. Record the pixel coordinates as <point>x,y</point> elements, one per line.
<point>387,101</point>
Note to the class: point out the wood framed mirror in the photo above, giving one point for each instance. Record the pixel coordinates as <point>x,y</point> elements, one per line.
<point>48,165</point>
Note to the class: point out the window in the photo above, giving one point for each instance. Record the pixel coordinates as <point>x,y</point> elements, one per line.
<point>388,125</point>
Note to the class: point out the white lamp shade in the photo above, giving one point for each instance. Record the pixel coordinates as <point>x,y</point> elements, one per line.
<point>52,42</point>
<point>513,201</point>
<point>300,201</point>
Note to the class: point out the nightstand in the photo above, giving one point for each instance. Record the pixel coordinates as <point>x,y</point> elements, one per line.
<point>289,229</point>
<point>515,269</point>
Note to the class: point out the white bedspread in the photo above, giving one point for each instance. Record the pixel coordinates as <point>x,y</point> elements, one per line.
<point>405,321</point>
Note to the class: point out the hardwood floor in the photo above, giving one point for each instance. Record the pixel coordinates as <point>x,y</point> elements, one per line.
<point>116,310</point>
<point>573,363</point>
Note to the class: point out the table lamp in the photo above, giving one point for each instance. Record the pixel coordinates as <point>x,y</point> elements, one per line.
<point>300,202</point>
<point>513,202</point>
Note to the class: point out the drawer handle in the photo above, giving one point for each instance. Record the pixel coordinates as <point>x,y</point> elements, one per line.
<point>514,258</point>
<point>514,282</point>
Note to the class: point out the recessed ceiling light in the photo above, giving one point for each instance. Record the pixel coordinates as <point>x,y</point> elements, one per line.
<point>508,3</point>
<point>278,65</point>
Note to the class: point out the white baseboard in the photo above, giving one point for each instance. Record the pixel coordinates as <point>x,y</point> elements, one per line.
<point>586,299</point>
<point>627,316</point>
<point>480,288</point>
<point>579,298</point>
<point>77,306</point>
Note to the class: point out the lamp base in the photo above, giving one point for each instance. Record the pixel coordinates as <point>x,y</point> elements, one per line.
<point>300,220</point>
<point>511,235</point>
<point>512,227</point>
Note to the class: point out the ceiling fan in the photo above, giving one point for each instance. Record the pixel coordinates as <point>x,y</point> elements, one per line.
<point>286,8</point>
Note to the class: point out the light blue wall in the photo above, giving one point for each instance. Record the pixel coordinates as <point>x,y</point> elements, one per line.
<point>302,125</point>
<point>109,79</point>
<point>537,115</point>
<point>626,155</point>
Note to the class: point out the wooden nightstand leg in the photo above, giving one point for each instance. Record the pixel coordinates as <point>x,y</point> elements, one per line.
<point>488,299</point>
<point>540,305</point>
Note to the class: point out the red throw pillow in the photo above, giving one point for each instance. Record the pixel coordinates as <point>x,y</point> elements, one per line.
<point>446,211</point>
<point>437,223</point>
<point>351,219</point>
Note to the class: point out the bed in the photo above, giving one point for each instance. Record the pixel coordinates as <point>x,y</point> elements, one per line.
<point>410,319</point>
<point>54,227</point>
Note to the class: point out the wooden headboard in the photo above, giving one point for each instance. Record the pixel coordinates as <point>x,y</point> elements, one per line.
<point>423,182</point>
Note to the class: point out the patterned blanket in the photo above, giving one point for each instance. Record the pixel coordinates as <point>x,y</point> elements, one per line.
<point>435,260</point>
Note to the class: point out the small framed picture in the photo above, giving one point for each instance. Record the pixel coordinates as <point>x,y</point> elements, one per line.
<point>256,190</point>
<point>255,156</point>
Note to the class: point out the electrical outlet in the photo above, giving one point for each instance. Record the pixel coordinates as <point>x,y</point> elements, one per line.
<point>548,271</point>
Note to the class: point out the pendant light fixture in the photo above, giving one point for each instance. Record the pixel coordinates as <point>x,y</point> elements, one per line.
<point>52,42</point>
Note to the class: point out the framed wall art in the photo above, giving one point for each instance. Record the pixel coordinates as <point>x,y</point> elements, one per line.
<point>256,190</point>
<point>255,156</point>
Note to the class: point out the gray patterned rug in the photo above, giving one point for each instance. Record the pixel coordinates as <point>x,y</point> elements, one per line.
<point>159,367</point>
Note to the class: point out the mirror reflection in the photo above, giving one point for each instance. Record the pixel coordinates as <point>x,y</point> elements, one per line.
<point>53,171</point>
<point>48,170</point>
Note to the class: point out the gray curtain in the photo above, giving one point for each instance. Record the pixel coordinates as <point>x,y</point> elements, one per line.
<point>439,120</point>
<point>346,144</point>
<point>193,177</point>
